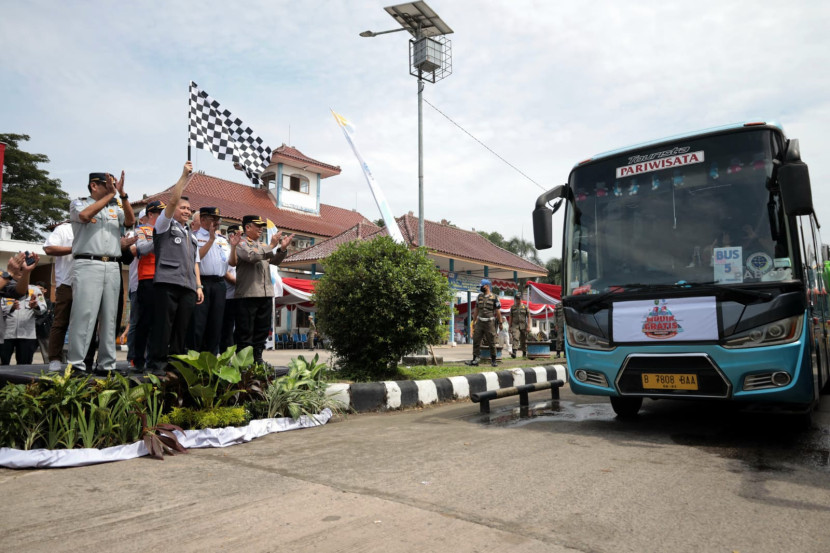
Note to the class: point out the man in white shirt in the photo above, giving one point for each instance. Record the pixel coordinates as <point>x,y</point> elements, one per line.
<point>59,245</point>
<point>213,266</point>
<point>20,337</point>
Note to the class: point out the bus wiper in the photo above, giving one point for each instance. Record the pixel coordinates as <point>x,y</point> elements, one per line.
<point>618,288</point>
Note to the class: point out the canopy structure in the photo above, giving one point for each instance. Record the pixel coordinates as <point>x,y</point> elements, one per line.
<point>296,292</point>
<point>545,293</point>
<point>537,310</point>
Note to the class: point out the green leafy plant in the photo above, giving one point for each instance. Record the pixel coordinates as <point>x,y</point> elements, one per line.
<point>218,417</point>
<point>300,392</point>
<point>406,296</point>
<point>209,379</point>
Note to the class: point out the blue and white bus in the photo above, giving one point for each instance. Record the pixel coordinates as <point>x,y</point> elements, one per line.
<point>692,268</point>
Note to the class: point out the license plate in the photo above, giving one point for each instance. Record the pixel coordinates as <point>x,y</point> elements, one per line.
<point>668,381</point>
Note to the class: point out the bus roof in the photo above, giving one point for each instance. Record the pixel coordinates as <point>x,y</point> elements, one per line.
<point>712,130</point>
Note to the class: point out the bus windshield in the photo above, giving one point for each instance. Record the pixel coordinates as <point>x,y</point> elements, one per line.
<point>693,211</point>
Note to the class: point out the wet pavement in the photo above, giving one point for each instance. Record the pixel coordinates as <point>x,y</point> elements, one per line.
<point>762,441</point>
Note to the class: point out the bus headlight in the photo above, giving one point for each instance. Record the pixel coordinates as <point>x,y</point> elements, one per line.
<point>778,332</point>
<point>581,339</point>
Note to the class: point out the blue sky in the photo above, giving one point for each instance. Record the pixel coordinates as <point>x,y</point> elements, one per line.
<point>103,86</point>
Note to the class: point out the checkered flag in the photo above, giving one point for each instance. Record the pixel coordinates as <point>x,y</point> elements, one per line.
<point>216,129</point>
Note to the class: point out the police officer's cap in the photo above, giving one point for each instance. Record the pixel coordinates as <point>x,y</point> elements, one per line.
<point>485,282</point>
<point>156,206</point>
<point>248,219</point>
<point>214,211</point>
<point>98,177</point>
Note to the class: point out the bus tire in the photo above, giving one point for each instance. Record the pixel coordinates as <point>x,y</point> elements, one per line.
<point>626,407</point>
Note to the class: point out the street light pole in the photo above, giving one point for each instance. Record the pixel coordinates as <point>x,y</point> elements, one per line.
<point>421,162</point>
<point>429,52</point>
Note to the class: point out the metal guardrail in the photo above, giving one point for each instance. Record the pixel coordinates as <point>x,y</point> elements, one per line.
<point>483,398</point>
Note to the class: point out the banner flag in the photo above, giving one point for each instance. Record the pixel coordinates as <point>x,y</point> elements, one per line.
<point>380,199</point>
<point>276,279</point>
<point>2,168</point>
<point>225,136</point>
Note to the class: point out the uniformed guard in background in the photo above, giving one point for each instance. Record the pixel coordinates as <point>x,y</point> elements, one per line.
<point>519,318</point>
<point>559,321</point>
<point>213,266</point>
<point>98,223</point>
<point>487,315</point>
<point>176,284</point>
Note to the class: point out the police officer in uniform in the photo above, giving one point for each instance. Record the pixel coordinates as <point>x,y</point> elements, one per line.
<point>519,317</point>
<point>559,321</point>
<point>213,266</point>
<point>176,284</point>
<point>253,281</point>
<point>487,315</point>
<point>98,223</point>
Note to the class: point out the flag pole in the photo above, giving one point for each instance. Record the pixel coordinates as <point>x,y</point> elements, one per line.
<point>189,86</point>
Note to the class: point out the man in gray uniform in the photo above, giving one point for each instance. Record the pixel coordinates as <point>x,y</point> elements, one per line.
<point>177,287</point>
<point>213,266</point>
<point>253,281</point>
<point>98,223</point>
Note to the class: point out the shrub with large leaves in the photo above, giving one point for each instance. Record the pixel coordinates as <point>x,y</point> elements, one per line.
<point>377,301</point>
<point>209,378</point>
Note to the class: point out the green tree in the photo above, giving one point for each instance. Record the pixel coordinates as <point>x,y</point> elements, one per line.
<point>31,200</point>
<point>377,301</point>
<point>554,267</point>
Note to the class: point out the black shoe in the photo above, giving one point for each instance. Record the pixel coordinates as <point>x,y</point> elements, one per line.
<point>102,372</point>
<point>494,363</point>
<point>473,363</point>
<point>513,354</point>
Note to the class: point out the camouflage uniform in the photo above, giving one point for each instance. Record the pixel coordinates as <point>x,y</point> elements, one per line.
<point>559,321</point>
<point>487,306</point>
<point>519,316</point>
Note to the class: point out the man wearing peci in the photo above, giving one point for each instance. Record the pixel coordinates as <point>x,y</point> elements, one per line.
<point>253,281</point>
<point>98,223</point>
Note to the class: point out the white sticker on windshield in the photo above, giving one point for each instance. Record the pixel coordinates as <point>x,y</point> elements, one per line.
<point>729,266</point>
<point>659,164</point>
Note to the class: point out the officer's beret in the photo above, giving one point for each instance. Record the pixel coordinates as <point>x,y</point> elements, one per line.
<point>209,211</point>
<point>156,206</point>
<point>248,219</point>
<point>485,282</point>
<point>98,177</point>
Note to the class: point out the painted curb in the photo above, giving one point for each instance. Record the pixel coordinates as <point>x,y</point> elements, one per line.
<point>400,394</point>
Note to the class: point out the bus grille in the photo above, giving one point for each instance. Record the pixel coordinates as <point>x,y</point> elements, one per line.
<point>711,381</point>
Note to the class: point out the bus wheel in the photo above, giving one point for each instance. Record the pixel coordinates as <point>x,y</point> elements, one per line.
<point>626,407</point>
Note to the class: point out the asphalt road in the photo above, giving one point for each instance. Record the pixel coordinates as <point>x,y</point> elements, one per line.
<point>684,477</point>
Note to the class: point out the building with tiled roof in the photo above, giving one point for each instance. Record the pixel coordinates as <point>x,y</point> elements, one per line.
<point>454,250</point>
<point>289,196</point>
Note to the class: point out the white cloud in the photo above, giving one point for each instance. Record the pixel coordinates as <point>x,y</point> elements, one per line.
<point>102,85</point>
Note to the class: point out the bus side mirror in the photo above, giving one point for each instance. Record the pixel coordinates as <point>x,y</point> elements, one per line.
<point>543,228</point>
<point>794,181</point>
<point>543,217</point>
<point>796,193</point>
